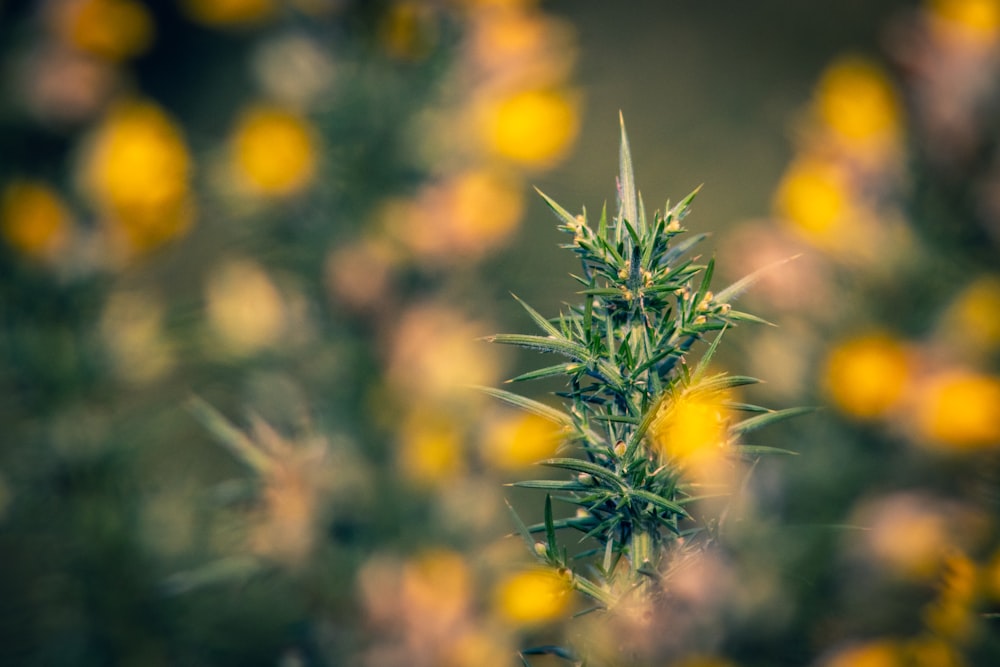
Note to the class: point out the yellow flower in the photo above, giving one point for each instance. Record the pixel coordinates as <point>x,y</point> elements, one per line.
<point>691,429</point>
<point>974,316</point>
<point>484,207</point>
<point>951,614</point>
<point>932,651</point>
<point>516,442</point>
<point>33,219</point>
<point>814,199</point>
<point>523,47</point>
<point>478,648</point>
<point>875,653</point>
<point>359,274</point>
<point>431,450</point>
<point>244,307</point>
<point>975,21</point>
<point>274,151</point>
<point>437,585</point>
<point>906,533</point>
<point>228,12</point>
<point>498,4</point>
<point>460,218</point>
<point>534,128</point>
<point>961,409</point>
<point>407,30</point>
<point>867,376</point>
<point>532,597</point>
<point>112,29</point>
<point>435,355</point>
<point>137,173</point>
<point>856,101</point>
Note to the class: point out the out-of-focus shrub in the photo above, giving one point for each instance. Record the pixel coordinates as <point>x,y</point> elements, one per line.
<point>239,248</point>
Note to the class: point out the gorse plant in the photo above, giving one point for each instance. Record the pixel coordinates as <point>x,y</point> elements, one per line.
<point>646,433</point>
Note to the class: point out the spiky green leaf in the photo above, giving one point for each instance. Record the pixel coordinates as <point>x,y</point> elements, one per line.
<point>522,529</point>
<point>759,421</point>
<point>548,371</point>
<point>659,501</point>
<point>551,485</point>
<point>541,321</point>
<point>530,405</point>
<point>561,213</point>
<point>592,469</point>
<point>626,181</point>
<point>551,344</point>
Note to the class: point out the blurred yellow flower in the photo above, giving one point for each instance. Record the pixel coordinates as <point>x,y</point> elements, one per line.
<point>294,69</point>
<point>458,219</point>
<point>33,219</point>
<point>907,533</point>
<point>814,198</point>
<point>228,12</point>
<point>431,449</point>
<point>519,48</point>
<point>479,648</point>
<point>137,172</point>
<point>973,318</point>
<point>485,207</point>
<point>517,441</point>
<point>959,408</point>
<point>244,307</point>
<point>274,151</point>
<point>359,274</point>
<point>497,4</point>
<point>435,355</point>
<point>951,615</point>
<point>132,328</point>
<point>532,597</point>
<point>976,21</point>
<point>437,585</point>
<point>112,29</point>
<point>875,653</point>
<point>408,30</point>
<point>932,651</point>
<point>691,428</point>
<point>867,376</point>
<point>855,100</point>
<point>421,609</point>
<point>65,85</point>
<point>505,36</point>
<point>534,128</point>
<point>703,661</point>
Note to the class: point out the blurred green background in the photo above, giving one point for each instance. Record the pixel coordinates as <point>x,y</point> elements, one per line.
<point>250,248</point>
<point>709,94</point>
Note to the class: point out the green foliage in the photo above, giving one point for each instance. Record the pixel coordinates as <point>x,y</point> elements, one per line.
<point>647,302</point>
